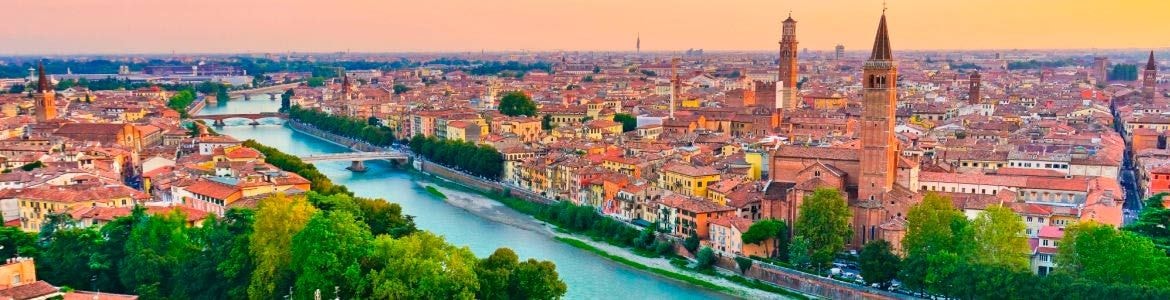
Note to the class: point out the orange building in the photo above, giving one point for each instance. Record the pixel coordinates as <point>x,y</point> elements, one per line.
<point>692,216</point>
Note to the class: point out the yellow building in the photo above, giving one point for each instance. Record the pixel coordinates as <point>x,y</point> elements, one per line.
<point>690,103</point>
<point>597,129</point>
<point>756,160</point>
<point>688,180</point>
<point>465,131</point>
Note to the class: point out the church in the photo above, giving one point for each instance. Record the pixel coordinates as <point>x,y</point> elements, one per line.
<point>870,173</point>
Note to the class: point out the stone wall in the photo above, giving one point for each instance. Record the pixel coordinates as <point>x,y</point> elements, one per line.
<point>480,184</point>
<point>807,283</point>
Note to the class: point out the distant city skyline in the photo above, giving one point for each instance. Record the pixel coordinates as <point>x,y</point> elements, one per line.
<point>221,26</point>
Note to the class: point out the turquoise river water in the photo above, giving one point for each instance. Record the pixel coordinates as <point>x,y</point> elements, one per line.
<point>477,222</point>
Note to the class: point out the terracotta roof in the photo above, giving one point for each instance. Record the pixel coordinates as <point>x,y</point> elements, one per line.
<point>739,223</point>
<point>33,290</point>
<point>212,189</point>
<point>74,194</point>
<point>693,205</point>
<point>111,213</point>
<point>691,171</point>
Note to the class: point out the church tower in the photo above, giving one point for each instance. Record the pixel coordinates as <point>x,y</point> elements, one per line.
<point>788,66</point>
<point>973,96</point>
<point>1150,78</point>
<point>878,145</point>
<point>46,105</point>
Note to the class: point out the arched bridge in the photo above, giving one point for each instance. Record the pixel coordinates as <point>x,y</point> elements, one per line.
<point>218,120</point>
<point>357,158</point>
<point>273,92</point>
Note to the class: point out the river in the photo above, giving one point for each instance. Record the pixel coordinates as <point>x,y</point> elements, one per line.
<point>478,223</point>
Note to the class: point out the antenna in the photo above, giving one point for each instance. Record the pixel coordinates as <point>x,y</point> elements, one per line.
<point>883,7</point>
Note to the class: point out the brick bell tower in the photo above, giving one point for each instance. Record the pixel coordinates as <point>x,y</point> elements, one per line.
<point>878,143</point>
<point>46,106</point>
<point>788,67</point>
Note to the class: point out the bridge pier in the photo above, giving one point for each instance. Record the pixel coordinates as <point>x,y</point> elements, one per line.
<point>272,97</point>
<point>357,166</point>
<point>247,97</point>
<point>254,123</point>
<point>218,123</point>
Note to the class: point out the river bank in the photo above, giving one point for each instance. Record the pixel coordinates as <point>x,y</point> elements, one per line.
<point>588,276</point>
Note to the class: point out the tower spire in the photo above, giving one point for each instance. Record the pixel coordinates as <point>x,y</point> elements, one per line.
<point>43,84</point>
<point>881,43</point>
<point>1151,65</point>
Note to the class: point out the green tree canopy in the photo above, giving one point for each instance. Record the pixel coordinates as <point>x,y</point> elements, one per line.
<point>516,103</point>
<point>938,240</point>
<point>327,255</point>
<point>421,266</point>
<point>629,122</point>
<point>1153,222</point>
<point>824,223</point>
<point>1100,253</point>
<point>879,264</point>
<point>772,231</point>
<point>316,81</point>
<point>999,238</point>
<point>278,219</point>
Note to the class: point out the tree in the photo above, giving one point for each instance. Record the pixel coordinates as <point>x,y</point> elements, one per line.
<point>15,242</point>
<point>546,122</point>
<point>517,103</point>
<point>503,276</point>
<point>824,223</point>
<point>768,232</point>
<point>328,252</point>
<point>879,264</point>
<point>495,274</point>
<point>180,101</point>
<point>154,250</point>
<point>743,263</point>
<point>705,258</point>
<point>536,280</point>
<point>278,219</point>
<point>629,122</point>
<point>1153,222</point>
<point>999,238</point>
<point>61,263</point>
<point>1100,253</point>
<point>286,100</point>
<point>691,242</point>
<point>421,265</point>
<point>316,81</point>
<point>798,253</point>
<point>938,240</point>
<point>400,88</point>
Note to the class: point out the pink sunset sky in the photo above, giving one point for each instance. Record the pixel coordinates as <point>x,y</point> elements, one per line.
<point>161,26</point>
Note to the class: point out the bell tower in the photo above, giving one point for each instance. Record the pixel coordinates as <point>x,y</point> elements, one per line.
<point>46,105</point>
<point>878,145</point>
<point>788,66</point>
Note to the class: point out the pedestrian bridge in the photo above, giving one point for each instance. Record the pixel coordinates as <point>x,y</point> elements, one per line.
<point>357,158</point>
